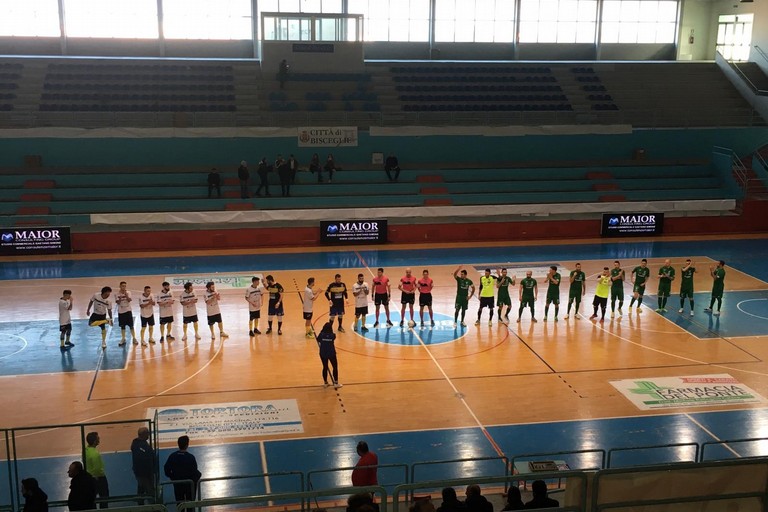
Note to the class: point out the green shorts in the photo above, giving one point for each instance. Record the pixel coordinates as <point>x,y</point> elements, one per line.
<point>686,293</point>
<point>639,289</point>
<point>462,304</point>
<point>502,300</point>
<point>717,293</point>
<point>553,297</point>
<point>664,291</point>
<point>617,293</point>
<point>575,295</point>
<point>527,302</point>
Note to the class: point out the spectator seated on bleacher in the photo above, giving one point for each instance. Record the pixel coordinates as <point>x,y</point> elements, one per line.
<point>391,165</point>
<point>514,499</point>
<point>475,501</point>
<point>422,504</point>
<point>540,498</point>
<point>451,502</point>
<point>362,502</point>
<point>214,183</point>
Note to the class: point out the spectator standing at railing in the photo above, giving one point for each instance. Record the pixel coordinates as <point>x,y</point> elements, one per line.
<point>514,499</point>
<point>314,167</point>
<point>182,465</point>
<point>82,488</point>
<point>35,500</point>
<point>365,472</point>
<point>95,465</point>
<point>243,175</point>
<point>330,167</point>
<point>214,183</point>
<point>293,165</point>
<point>143,460</point>
<point>263,172</point>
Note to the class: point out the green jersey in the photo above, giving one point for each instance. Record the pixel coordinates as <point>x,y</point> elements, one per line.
<point>504,283</point>
<point>463,285</point>
<point>666,276</point>
<point>527,285</point>
<point>686,279</point>
<point>718,281</point>
<point>641,275</point>
<point>617,279</point>
<point>577,281</point>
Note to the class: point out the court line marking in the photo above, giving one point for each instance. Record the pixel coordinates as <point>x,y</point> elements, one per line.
<point>20,350</point>
<point>705,429</point>
<point>738,306</point>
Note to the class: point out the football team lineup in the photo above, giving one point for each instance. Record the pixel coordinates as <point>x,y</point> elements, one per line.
<point>441,375</point>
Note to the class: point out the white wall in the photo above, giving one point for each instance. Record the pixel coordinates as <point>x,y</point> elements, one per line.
<point>696,16</point>
<point>759,31</point>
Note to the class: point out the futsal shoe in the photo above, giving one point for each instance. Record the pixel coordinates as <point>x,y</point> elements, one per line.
<point>376,324</point>
<point>363,329</point>
<point>184,338</point>
<point>477,323</point>
<point>691,312</point>
<point>121,344</point>
<point>593,317</point>
<point>162,340</point>
<point>256,331</point>
<point>463,324</point>
<point>533,319</point>
<point>198,337</point>
<point>707,310</point>
<point>223,335</point>
<point>250,334</point>
<point>680,310</point>
<point>389,323</point>
<point>269,330</point>
<point>613,314</point>
<point>144,344</point>
<point>337,385</point>
<point>135,341</point>
<point>279,332</point>
<point>104,346</point>
<point>341,329</point>
<point>402,322</point>
<point>432,323</point>
<point>170,338</point>
<point>716,313</point>
<point>69,344</point>
<point>152,341</point>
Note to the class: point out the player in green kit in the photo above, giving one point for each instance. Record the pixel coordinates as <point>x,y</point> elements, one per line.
<point>617,287</point>
<point>465,289</point>
<point>640,276</point>
<point>686,285</point>
<point>529,292</point>
<point>553,291</point>
<point>666,276</point>
<point>718,284</point>
<point>576,291</point>
<point>503,283</point>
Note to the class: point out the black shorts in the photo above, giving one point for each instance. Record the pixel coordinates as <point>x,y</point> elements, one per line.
<point>425,299</point>
<point>125,319</point>
<point>190,319</point>
<point>147,320</point>
<point>407,298</point>
<point>381,298</point>
<point>337,309</point>
<point>306,316</point>
<point>97,318</point>
<point>254,315</point>
<point>214,319</point>
<point>275,311</point>
<point>166,320</point>
<point>362,311</point>
<point>486,302</point>
<point>65,329</point>
<point>600,301</point>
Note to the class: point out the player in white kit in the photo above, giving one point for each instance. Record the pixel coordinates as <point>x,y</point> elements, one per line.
<point>310,296</point>
<point>102,306</point>
<point>165,300</point>
<point>125,313</point>
<point>188,301</point>
<point>212,298</point>
<point>147,314</point>
<point>360,291</point>
<point>253,296</point>
<point>65,320</point>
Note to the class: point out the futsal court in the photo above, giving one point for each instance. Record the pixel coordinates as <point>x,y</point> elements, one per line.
<point>414,394</point>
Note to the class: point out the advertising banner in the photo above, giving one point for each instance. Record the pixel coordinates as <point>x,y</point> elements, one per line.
<point>327,136</point>
<point>343,232</point>
<point>632,224</point>
<point>23,241</point>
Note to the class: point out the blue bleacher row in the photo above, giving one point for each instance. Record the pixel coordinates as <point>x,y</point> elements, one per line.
<point>172,68</point>
<point>7,96</point>
<point>9,76</point>
<point>111,87</point>
<point>5,107</point>
<point>9,86</point>
<point>582,70</point>
<point>137,97</point>
<point>479,88</point>
<point>607,106</point>
<point>599,97</point>
<point>483,97</point>
<point>56,107</point>
<point>593,88</point>
<point>133,77</point>
<point>486,107</point>
<point>474,78</point>
<point>471,69</point>
<point>328,77</point>
<point>319,106</point>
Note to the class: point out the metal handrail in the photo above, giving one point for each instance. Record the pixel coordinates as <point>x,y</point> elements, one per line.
<point>761,52</point>
<point>727,442</point>
<point>349,468</point>
<point>244,477</point>
<point>174,482</point>
<point>737,166</point>
<point>502,458</point>
<point>9,463</point>
<point>655,447</point>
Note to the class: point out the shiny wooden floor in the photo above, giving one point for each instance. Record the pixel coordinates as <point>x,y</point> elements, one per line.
<point>490,375</point>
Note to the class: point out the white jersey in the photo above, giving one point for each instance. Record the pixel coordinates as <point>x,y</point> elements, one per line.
<point>360,291</point>
<point>189,303</point>
<point>253,296</point>
<point>309,299</point>
<point>146,306</point>
<point>165,299</point>
<point>212,303</point>
<point>123,300</point>
<point>101,305</point>
<point>65,305</point>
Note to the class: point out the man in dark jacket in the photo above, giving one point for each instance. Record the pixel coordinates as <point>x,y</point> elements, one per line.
<point>82,488</point>
<point>182,465</point>
<point>540,498</point>
<point>35,500</point>
<point>475,501</point>
<point>391,165</point>
<point>263,172</point>
<point>214,183</point>
<point>243,175</point>
<point>143,459</point>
